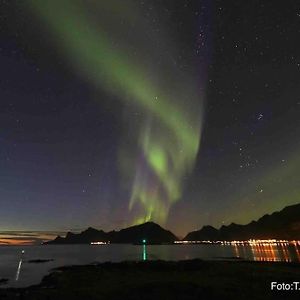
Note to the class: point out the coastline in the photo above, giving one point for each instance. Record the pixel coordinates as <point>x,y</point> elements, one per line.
<point>188,279</point>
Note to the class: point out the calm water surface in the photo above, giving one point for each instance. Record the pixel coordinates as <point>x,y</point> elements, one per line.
<point>15,266</point>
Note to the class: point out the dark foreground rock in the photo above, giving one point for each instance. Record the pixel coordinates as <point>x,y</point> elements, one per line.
<point>193,279</point>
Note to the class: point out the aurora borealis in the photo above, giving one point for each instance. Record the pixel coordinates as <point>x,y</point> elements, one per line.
<point>117,112</point>
<point>168,100</point>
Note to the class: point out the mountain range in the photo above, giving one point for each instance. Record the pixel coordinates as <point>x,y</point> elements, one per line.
<point>151,232</point>
<point>284,224</point>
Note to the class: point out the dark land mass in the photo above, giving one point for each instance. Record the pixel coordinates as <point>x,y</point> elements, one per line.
<point>39,261</point>
<point>284,224</point>
<point>151,232</point>
<point>194,279</point>
<point>3,280</point>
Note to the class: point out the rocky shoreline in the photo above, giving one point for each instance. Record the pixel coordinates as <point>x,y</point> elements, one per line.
<point>189,279</point>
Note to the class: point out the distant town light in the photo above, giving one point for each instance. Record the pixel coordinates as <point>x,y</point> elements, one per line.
<point>100,243</point>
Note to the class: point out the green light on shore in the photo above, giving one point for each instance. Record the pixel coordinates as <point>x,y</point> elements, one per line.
<point>144,241</point>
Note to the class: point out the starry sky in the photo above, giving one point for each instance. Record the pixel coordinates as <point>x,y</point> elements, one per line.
<point>182,112</point>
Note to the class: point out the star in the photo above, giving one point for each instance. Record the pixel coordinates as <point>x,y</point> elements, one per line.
<point>260,116</point>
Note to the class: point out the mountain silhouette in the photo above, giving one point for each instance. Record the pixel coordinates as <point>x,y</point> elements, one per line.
<point>151,232</point>
<point>284,224</point>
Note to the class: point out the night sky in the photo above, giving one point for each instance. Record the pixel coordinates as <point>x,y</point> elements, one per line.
<point>182,112</point>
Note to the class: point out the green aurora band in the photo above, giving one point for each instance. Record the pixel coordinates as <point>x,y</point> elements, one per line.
<point>159,149</point>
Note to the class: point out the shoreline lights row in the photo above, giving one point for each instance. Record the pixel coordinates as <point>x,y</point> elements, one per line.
<point>250,242</point>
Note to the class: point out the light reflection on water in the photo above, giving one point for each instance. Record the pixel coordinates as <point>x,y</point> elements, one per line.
<point>18,270</point>
<point>15,265</point>
<point>259,252</point>
<point>144,252</point>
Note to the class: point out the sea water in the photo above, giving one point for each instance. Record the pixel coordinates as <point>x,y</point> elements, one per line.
<point>15,265</point>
